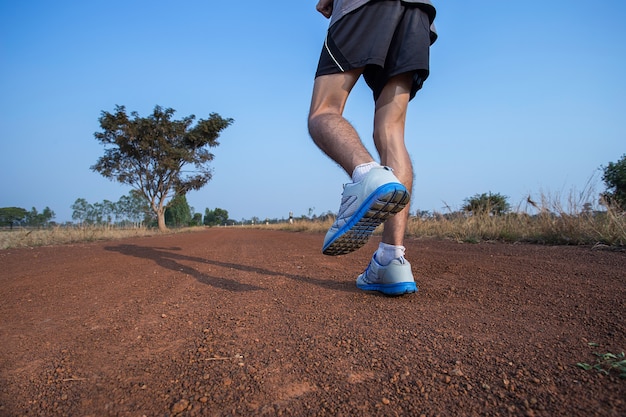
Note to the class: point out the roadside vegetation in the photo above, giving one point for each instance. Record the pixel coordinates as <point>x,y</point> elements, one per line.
<point>579,218</point>
<point>545,221</point>
<point>606,363</point>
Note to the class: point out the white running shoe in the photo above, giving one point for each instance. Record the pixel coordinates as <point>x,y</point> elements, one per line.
<point>364,206</point>
<point>393,279</point>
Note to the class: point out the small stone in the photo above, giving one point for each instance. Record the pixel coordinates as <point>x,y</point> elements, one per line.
<point>180,406</point>
<point>385,401</point>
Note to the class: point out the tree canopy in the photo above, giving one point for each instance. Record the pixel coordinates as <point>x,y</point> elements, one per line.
<point>131,208</point>
<point>484,203</point>
<point>215,217</point>
<point>11,216</point>
<point>178,212</point>
<point>157,155</point>
<point>43,219</point>
<point>614,178</point>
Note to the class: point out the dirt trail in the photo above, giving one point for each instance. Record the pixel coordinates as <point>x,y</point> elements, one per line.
<point>250,322</point>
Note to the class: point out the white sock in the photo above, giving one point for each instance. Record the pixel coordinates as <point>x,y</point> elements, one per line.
<point>360,171</point>
<point>386,253</point>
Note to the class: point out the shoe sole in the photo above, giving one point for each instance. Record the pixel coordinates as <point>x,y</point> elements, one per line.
<point>400,288</point>
<point>382,204</point>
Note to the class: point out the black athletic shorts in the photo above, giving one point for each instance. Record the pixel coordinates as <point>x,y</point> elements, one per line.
<point>386,37</point>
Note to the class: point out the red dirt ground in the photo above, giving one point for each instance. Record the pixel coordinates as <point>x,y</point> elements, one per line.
<point>255,322</point>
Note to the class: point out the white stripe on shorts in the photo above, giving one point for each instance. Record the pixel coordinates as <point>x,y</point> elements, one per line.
<point>331,54</point>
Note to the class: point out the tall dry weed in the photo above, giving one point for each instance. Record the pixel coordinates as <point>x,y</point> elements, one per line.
<point>23,237</point>
<point>576,218</point>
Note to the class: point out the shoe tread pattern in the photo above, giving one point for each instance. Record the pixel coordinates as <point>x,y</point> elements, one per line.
<point>382,208</point>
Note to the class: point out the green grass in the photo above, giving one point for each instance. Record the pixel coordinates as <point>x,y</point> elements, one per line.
<point>606,363</point>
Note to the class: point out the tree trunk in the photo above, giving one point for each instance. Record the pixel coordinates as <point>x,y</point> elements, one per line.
<point>161,219</point>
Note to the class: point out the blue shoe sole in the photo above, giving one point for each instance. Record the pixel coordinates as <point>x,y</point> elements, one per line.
<point>400,288</point>
<point>382,204</point>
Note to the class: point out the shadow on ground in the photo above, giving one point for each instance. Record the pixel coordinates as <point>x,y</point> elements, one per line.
<point>171,258</point>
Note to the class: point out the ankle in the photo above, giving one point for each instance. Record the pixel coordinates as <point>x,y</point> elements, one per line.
<point>387,253</point>
<point>360,171</point>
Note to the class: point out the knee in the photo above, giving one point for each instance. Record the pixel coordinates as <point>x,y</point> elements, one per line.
<point>313,122</point>
<point>320,117</point>
<point>313,116</point>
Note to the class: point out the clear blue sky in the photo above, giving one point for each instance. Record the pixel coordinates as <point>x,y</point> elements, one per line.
<point>521,100</point>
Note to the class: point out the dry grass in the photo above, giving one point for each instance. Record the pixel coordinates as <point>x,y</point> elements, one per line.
<point>572,220</point>
<point>20,237</point>
<point>549,220</point>
<point>299,226</point>
<point>606,228</point>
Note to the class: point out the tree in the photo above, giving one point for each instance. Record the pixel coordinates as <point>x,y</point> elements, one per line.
<point>134,207</point>
<point>47,215</point>
<point>97,212</point>
<point>81,210</point>
<point>10,216</point>
<point>197,219</point>
<point>215,217</point>
<point>108,210</point>
<point>484,203</point>
<point>151,153</point>
<point>131,208</point>
<point>178,213</point>
<point>614,178</point>
<point>36,219</point>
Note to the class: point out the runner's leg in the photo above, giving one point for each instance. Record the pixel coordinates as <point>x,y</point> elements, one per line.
<point>389,124</point>
<point>333,134</point>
